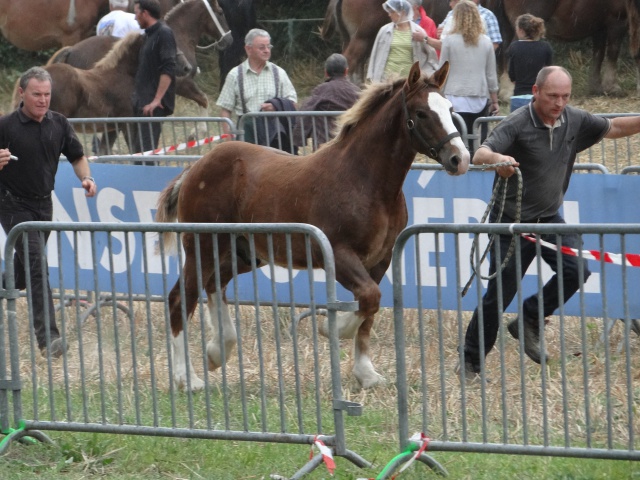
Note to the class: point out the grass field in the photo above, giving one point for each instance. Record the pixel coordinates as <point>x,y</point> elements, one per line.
<point>374,435</point>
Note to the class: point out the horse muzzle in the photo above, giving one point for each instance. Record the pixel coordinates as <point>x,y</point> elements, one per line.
<point>455,158</point>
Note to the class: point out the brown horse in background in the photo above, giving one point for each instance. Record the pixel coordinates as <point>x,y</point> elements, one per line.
<point>103,91</point>
<point>189,21</point>
<point>351,189</point>
<point>358,22</point>
<point>39,24</point>
<point>605,21</point>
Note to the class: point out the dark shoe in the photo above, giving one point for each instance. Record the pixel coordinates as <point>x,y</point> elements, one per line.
<point>471,374</point>
<point>56,349</point>
<point>531,340</point>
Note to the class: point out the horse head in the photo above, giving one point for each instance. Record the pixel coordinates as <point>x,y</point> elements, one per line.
<point>427,114</point>
<point>196,18</point>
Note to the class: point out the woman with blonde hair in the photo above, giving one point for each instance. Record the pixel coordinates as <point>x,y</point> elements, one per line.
<point>395,50</point>
<point>472,85</point>
<point>527,57</point>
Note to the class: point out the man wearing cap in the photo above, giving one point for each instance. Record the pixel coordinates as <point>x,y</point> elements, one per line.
<point>118,22</point>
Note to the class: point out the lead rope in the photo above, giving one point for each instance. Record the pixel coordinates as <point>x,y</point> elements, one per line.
<point>501,185</point>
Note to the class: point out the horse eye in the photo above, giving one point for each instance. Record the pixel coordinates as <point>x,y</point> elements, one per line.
<point>421,114</point>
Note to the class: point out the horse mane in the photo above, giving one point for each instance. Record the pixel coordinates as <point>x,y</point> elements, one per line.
<point>177,6</point>
<point>373,96</point>
<point>117,52</point>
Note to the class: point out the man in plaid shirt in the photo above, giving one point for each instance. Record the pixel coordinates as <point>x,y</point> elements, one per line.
<point>256,80</point>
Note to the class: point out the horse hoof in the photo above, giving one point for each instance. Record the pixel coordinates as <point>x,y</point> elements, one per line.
<point>371,381</point>
<point>196,383</point>
<point>367,377</point>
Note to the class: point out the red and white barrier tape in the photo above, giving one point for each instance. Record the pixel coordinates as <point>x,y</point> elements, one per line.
<point>179,147</point>
<point>630,259</point>
<point>327,455</point>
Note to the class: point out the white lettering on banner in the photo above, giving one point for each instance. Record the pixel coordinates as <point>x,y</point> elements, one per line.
<point>146,202</point>
<point>423,210</point>
<point>108,199</point>
<point>571,214</point>
<point>83,248</point>
<point>464,210</point>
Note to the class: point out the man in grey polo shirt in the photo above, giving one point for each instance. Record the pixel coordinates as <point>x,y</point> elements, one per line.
<point>542,139</point>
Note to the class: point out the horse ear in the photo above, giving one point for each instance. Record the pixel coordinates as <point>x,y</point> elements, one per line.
<point>414,75</point>
<point>440,76</point>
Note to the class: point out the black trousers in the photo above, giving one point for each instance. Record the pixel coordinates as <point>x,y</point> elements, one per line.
<point>15,210</point>
<point>551,297</point>
<point>145,136</point>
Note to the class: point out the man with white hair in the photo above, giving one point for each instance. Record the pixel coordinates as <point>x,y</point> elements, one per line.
<point>118,22</point>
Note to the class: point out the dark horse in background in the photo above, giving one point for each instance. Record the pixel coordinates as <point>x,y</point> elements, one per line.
<point>358,22</point>
<point>241,17</point>
<point>351,189</point>
<point>606,22</point>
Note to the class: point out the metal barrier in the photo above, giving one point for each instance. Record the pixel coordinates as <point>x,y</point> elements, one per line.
<point>582,403</point>
<point>286,130</point>
<point>112,139</point>
<point>613,154</point>
<point>116,376</point>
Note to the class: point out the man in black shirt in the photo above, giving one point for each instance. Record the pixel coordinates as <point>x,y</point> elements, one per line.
<point>155,82</point>
<point>31,141</point>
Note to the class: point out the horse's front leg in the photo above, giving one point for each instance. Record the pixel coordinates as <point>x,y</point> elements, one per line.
<point>184,374</point>
<point>353,276</point>
<point>219,317</point>
<point>220,321</point>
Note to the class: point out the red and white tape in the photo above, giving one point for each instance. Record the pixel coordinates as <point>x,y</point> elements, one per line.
<point>179,147</point>
<point>630,259</point>
<point>327,455</point>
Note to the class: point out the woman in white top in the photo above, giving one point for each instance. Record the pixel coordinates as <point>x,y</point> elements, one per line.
<point>472,85</point>
<point>395,51</point>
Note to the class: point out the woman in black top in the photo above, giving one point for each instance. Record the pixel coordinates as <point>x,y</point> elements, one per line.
<point>529,54</point>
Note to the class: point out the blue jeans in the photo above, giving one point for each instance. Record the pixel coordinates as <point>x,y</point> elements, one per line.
<point>15,210</point>
<point>550,295</point>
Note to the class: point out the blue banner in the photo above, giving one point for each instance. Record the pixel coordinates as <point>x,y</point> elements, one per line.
<point>129,193</point>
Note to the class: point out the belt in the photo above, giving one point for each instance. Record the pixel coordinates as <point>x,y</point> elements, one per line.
<point>27,197</point>
<point>540,219</point>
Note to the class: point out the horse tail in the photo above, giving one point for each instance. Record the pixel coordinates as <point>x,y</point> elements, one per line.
<point>633,17</point>
<point>329,24</point>
<point>167,208</point>
<point>60,56</point>
<point>344,33</point>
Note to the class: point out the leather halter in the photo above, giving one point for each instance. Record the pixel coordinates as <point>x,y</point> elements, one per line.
<point>432,151</point>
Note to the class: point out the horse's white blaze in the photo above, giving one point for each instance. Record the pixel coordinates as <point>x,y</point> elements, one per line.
<point>180,372</point>
<point>442,106</point>
<point>228,333</point>
<point>347,322</point>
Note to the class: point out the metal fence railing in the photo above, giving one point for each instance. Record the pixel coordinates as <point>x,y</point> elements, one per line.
<point>581,403</point>
<point>119,373</point>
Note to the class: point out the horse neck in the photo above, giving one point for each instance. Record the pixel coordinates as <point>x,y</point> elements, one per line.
<point>382,144</point>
